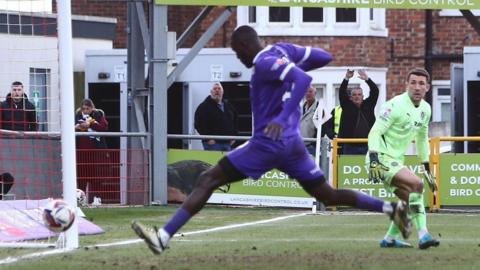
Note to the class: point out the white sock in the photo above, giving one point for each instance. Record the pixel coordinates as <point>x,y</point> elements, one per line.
<point>422,233</point>
<point>388,238</point>
<point>387,208</point>
<point>163,236</point>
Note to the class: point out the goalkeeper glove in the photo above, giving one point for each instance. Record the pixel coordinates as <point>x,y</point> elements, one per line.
<point>431,180</point>
<point>377,169</point>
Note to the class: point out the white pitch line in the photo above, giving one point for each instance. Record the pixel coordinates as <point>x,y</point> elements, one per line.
<point>121,243</point>
<point>134,241</point>
<point>9,260</point>
<point>240,225</point>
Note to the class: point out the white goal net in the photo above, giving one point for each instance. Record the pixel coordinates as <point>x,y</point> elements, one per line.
<point>33,90</point>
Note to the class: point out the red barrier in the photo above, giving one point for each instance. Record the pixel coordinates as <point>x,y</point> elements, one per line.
<point>115,176</point>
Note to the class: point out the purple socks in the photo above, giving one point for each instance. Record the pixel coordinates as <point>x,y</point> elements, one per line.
<point>177,221</point>
<point>369,203</point>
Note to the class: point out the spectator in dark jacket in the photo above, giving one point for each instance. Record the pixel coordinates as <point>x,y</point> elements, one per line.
<point>216,116</point>
<point>358,115</point>
<point>17,112</point>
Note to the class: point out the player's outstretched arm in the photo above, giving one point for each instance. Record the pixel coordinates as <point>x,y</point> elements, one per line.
<point>314,58</point>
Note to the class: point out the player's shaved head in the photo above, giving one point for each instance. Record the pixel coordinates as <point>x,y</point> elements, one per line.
<point>244,33</point>
<point>246,44</point>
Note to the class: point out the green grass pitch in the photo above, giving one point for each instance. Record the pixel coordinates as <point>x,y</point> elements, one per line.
<point>335,240</point>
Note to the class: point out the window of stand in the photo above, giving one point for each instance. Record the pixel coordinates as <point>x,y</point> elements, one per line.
<point>40,81</point>
<point>312,21</point>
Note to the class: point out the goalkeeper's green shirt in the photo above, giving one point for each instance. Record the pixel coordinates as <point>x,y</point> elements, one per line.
<point>398,124</point>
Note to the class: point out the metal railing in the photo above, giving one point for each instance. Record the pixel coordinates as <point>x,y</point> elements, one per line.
<point>435,198</point>
<point>218,137</point>
<point>435,157</point>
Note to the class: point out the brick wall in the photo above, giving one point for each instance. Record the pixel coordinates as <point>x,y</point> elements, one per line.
<point>450,35</point>
<point>180,17</point>
<point>114,9</point>
<point>406,34</point>
<point>348,51</point>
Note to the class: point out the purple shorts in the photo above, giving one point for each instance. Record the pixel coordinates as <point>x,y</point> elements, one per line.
<point>289,155</point>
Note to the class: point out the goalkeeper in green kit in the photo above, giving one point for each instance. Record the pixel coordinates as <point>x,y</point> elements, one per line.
<point>404,119</point>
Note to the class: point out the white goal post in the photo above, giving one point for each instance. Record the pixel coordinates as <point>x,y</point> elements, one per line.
<point>69,173</point>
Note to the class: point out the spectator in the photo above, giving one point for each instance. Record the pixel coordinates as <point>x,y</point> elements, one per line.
<point>332,126</point>
<point>307,126</point>
<point>90,119</point>
<point>358,115</point>
<point>92,156</point>
<point>17,112</point>
<point>216,116</point>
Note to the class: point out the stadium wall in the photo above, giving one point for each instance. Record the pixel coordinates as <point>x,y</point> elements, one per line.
<point>405,27</point>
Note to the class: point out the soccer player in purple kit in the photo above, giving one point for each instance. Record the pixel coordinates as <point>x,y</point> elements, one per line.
<point>278,83</point>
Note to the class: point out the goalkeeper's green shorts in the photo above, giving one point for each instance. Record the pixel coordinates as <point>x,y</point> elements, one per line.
<point>394,165</point>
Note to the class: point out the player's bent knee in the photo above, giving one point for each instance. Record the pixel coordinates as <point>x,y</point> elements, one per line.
<point>418,187</point>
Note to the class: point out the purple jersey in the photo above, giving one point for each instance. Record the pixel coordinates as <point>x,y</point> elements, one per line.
<point>271,86</point>
<point>278,84</point>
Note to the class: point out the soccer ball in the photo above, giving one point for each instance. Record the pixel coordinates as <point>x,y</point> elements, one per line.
<point>58,216</point>
<point>81,198</point>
